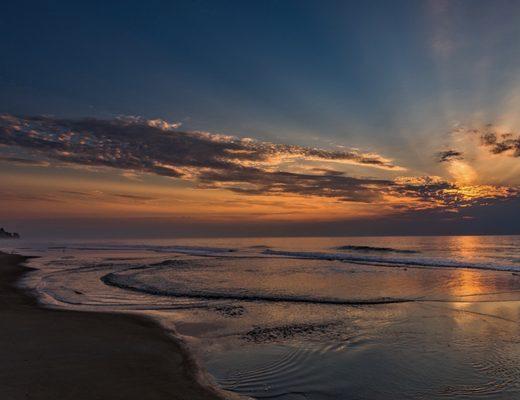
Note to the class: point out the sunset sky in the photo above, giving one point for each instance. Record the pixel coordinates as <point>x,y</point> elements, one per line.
<point>273,117</point>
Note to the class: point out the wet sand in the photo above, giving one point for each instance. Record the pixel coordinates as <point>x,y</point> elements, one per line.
<point>53,354</point>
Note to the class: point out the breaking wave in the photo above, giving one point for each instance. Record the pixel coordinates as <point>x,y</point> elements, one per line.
<point>369,249</point>
<point>189,250</point>
<point>393,261</point>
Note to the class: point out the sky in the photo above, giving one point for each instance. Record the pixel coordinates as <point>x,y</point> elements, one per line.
<point>206,118</point>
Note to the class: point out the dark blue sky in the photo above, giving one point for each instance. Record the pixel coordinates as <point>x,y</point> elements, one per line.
<point>251,67</point>
<point>198,59</point>
<point>291,69</point>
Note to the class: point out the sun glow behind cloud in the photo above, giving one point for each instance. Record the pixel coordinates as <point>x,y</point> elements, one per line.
<point>462,173</point>
<point>483,153</point>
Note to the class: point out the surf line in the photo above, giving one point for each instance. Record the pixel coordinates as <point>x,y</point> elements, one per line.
<point>111,280</point>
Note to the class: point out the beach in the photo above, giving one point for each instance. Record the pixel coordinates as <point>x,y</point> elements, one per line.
<point>55,354</point>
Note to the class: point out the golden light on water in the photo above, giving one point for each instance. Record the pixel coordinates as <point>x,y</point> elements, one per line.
<point>467,282</point>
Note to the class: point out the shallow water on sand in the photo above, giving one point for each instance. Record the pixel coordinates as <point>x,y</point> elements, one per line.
<point>315,318</point>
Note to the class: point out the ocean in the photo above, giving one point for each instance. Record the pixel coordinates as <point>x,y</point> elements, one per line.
<point>312,318</point>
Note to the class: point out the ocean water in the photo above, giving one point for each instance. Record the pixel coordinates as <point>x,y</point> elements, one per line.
<point>312,318</point>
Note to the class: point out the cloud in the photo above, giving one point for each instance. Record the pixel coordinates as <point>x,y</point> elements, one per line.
<point>259,182</point>
<point>11,195</point>
<point>133,197</point>
<point>151,146</point>
<point>501,143</point>
<point>497,140</point>
<point>23,161</point>
<point>449,155</point>
<point>244,166</point>
<point>210,160</point>
<point>106,195</point>
<point>435,192</point>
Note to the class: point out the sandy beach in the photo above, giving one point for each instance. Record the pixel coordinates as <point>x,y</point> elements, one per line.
<point>50,354</point>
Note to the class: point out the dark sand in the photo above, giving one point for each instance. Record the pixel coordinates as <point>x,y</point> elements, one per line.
<point>51,354</point>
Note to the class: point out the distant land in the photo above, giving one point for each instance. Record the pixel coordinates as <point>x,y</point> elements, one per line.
<point>8,235</point>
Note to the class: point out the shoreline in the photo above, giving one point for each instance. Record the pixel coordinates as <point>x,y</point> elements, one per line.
<point>50,353</point>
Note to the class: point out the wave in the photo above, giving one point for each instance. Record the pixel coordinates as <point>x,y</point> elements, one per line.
<point>375,249</point>
<point>392,261</point>
<point>113,279</point>
<point>190,250</point>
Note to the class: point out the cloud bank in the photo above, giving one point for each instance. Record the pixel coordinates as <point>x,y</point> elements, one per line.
<point>244,166</point>
<point>156,146</point>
